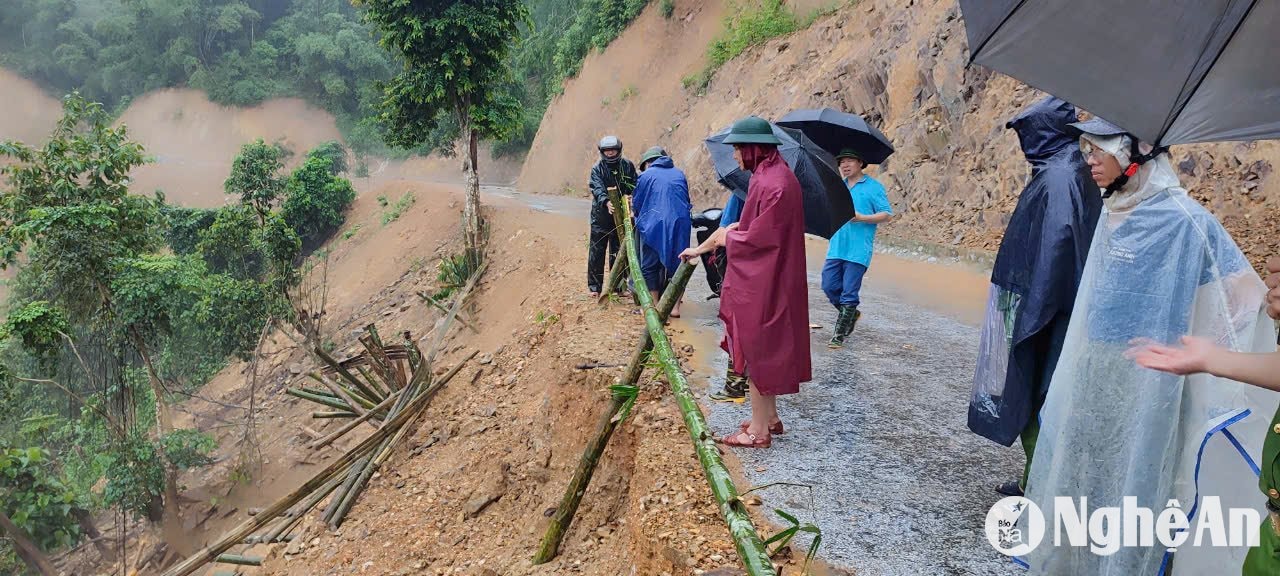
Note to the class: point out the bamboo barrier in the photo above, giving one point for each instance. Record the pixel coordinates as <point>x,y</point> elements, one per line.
<point>751,550</point>
<point>609,420</point>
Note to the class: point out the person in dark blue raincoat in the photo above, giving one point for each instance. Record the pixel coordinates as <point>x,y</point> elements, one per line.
<point>735,384</point>
<point>1034,280</point>
<point>663,221</point>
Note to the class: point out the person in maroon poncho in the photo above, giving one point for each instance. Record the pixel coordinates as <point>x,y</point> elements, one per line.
<point>764,299</point>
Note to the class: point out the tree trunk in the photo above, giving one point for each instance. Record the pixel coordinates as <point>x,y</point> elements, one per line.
<point>164,426</point>
<point>27,550</point>
<point>471,208</point>
<point>751,550</point>
<point>90,528</point>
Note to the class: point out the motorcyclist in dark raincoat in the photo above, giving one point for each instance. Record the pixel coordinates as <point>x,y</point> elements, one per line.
<point>1034,280</point>
<point>611,171</point>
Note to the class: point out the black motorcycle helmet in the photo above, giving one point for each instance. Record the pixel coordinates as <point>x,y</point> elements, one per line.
<point>610,142</point>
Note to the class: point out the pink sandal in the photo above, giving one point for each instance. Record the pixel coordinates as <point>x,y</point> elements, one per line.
<point>775,428</point>
<point>752,440</point>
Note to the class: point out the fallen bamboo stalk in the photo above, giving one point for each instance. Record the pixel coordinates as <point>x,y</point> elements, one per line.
<point>380,455</point>
<point>378,358</point>
<point>621,266</point>
<point>349,426</point>
<point>295,514</point>
<point>337,367</point>
<point>318,392</point>
<point>324,400</point>
<point>353,474</point>
<point>751,550</point>
<point>238,534</point>
<point>338,507</point>
<point>264,540</point>
<point>339,414</point>
<point>368,376</point>
<point>563,517</point>
<point>351,399</point>
<point>441,307</point>
<point>238,560</point>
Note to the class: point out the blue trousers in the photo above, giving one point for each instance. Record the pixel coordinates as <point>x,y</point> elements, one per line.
<point>841,281</point>
<point>655,274</point>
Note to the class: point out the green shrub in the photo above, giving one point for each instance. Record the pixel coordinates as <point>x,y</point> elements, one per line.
<point>744,27</point>
<point>36,499</point>
<point>334,152</point>
<point>316,201</point>
<point>668,8</point>
<point>184,225</point>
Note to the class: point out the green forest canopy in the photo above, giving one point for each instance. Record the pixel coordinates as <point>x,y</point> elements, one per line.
<point>242,52</point>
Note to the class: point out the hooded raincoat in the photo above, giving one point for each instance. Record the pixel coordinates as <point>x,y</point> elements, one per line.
<point>1160,266</point>
<point>1036,272</point>
<point>663,221</point>
<point>764,299</point>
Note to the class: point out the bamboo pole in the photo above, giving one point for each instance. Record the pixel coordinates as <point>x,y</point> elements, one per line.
<point>340,414</point>
<point>349,426</point>
<point>751,549</point>
<point>325,400</point>
<point>368,376</point>
<point>620,266</point>
<point>318,392</point>
<point>356,403</point>
<point>360,386</point>
<point>367,468</point>
<point>378,359</point>
<point>563,517</point>
<point>239,560</point>
<point>441,308</point>
<point>336,512</point>
<point>334,469</point>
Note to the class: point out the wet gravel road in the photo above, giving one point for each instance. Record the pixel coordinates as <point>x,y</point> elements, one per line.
<point>900,486</point>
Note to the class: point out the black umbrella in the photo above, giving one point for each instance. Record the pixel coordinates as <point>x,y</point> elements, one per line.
<point>1168,71</point>
<point>834,131</point>
<point>827,204</point>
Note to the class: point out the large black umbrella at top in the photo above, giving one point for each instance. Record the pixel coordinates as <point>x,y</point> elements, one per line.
<point>1168,71</point>
<point>827,204</point>
<point>835,131</point>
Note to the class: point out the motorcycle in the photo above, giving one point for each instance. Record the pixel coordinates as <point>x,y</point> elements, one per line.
<point>705,223</point>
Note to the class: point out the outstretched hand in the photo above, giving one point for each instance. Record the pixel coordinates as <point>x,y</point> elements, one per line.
<point>691,255</point>
<point>1192,358</point>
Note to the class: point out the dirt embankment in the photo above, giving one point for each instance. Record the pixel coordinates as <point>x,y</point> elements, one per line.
<point>956,173</point>
<point>468,491</point>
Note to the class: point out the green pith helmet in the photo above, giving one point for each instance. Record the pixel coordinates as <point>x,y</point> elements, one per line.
<point>752,130</point>
<point>850,153</point>
<point>652,154</point>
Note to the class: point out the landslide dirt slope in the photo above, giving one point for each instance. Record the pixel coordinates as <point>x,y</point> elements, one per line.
<point>193,141</point>
<point>956,172</point>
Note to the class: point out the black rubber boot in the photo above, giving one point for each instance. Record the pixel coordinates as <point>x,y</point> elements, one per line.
<point>844,325</point>
<point>735,388</point>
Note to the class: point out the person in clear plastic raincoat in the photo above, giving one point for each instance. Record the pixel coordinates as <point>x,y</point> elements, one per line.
<point>1160,266</point>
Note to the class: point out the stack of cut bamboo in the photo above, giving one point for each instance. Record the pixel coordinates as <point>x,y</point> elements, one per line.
<point>395,387</point>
